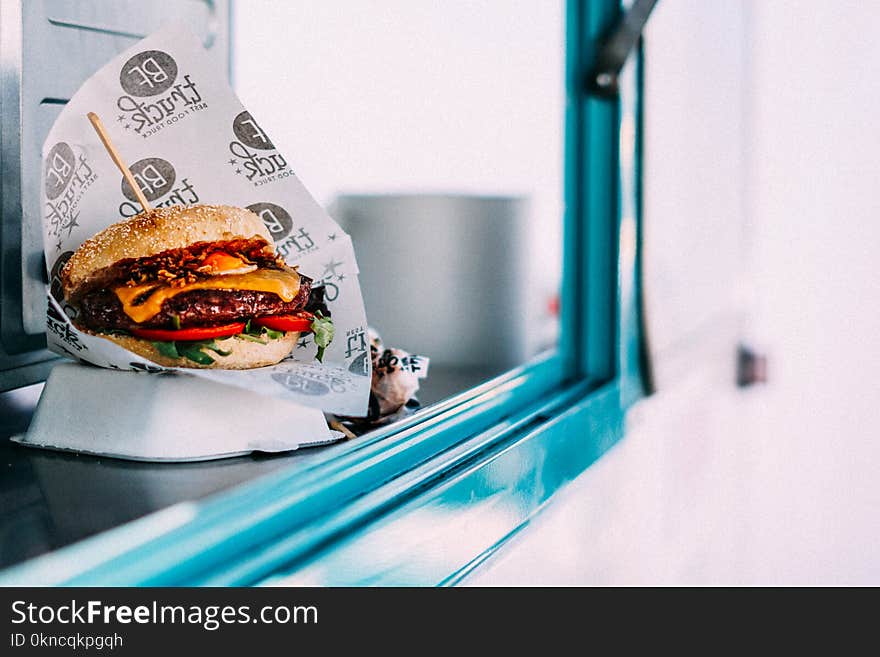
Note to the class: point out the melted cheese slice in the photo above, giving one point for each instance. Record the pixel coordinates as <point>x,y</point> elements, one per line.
<point>283,283</point>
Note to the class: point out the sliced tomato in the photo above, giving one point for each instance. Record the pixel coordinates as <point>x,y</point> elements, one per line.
<point>300,322</point>
<point>189,334</point>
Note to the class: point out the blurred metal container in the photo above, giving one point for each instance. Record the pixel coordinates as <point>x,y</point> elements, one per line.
<point>444,275</point>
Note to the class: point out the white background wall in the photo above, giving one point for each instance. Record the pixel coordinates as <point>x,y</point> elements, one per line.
<point>813,175</point>
<point>777,484</point>
<point>408,95</point>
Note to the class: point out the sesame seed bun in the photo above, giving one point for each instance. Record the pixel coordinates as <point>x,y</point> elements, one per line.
<point>153,232</point>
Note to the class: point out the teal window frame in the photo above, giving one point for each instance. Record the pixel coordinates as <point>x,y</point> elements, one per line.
<point>508,444</point>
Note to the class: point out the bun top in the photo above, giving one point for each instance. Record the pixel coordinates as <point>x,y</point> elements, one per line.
<point>160,230</point>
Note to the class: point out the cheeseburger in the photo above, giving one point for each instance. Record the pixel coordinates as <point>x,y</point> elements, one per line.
<point>194,286</point>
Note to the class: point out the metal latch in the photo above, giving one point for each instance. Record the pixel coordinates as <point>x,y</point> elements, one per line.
<point>751,366</point>
<point>616,47</point>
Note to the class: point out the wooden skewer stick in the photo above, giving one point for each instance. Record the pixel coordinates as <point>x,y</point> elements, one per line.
<point>336,424</point>
<point>118,161</point>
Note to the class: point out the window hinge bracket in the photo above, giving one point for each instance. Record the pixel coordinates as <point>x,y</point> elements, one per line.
<point>615,47</point>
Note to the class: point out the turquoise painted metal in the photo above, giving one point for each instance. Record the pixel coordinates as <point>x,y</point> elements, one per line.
<point>425,501</point>
<point>589,306</point>
<point>436,534</point>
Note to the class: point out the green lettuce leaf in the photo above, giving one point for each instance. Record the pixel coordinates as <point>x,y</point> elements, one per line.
<point>213,346</point>
<point>255,333</point>
<point>193,351</point>
<point>251,338</point>
<point>273,334</point>
<point>323,331</point>
<point>167,349</point>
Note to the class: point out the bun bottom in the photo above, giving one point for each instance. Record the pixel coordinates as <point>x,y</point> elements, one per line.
<point>244,354</point>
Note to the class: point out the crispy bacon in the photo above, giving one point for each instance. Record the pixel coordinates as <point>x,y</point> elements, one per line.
<point>179,267</point>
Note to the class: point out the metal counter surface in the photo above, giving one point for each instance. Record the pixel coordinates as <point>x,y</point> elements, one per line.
<point>51,499</point>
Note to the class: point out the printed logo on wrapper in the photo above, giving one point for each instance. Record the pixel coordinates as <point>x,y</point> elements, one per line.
<point>302,385</point>
<point>67,176</point>
<point>146,367</point>
<point>254,155</point>
<point>148,73</point>
<point>389,362</point>
<point>59,327</point>
<point>55,287</point>
<point>355,342</point>
<point>360,365</point>
<point>249,133</point>
<point>156,96</point>
<point>330,278</point>
<point>59,170</point>
<point>315,380</point>
<point>288,241</point>
<point>156,178</point>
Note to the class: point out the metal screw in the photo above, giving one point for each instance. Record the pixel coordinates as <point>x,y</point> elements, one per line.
<point>605,80</point>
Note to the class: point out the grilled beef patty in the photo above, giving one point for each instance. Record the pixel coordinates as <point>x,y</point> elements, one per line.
<point>102,311</point>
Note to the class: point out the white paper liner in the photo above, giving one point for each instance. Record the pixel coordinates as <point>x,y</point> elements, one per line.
<point>167,417</point>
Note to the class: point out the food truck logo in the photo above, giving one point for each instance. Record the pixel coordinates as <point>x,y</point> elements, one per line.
<point>302,385</point>
<point>360,365</point>
<point>158,181</point>
<point>288,240</point>
<point>59,326</point>
<point>56,288</point>
<point>155,95</point>
<point>249,133</point>
<point>59,312</point>
<point>148,73</point>
<point>356,341</point>
<point>315,380</point>
<point>67,177</point>
<point>253,154</point>
<point>59,169</point>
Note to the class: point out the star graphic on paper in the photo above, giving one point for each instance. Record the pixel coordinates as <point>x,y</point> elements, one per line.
<point>233,161</point>
<point>58,245</point>
<point>340,278</point>
<point>127,126</point>
<point>332,237</point>
<point>120,118</point>
<point>238,171</point>
<point>302,344</point>
<point>331,267</point>
<point>73,224</point>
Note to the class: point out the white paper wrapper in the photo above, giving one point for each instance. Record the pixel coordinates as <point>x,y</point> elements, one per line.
<point>165,417</point>
<point>188,139</point>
